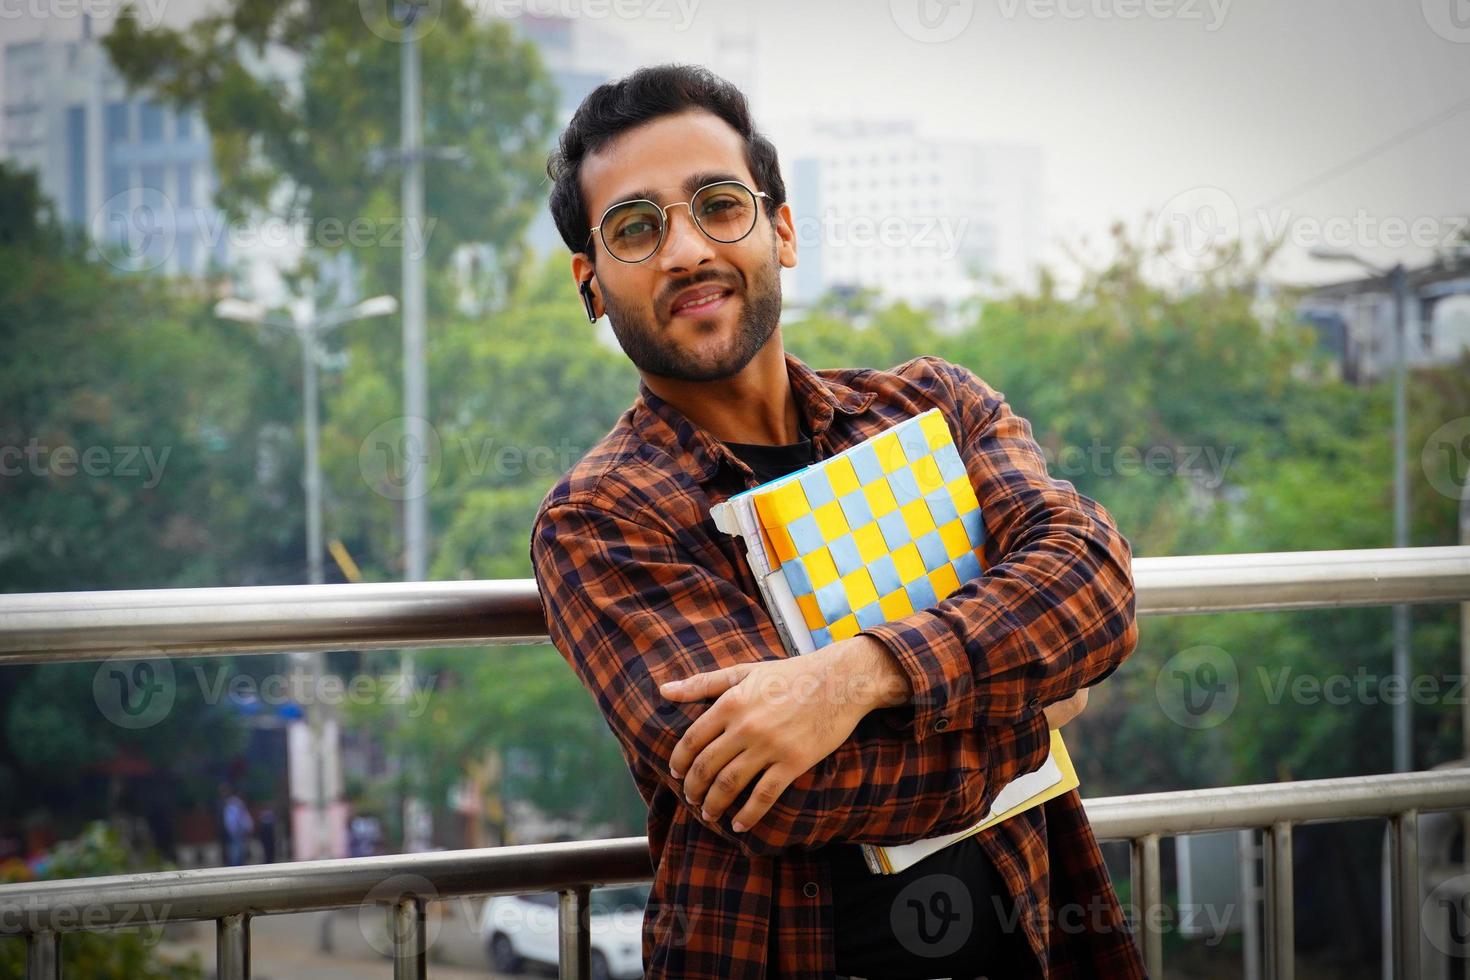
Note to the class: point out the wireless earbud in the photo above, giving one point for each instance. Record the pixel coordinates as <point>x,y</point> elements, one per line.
<point>586,290</point>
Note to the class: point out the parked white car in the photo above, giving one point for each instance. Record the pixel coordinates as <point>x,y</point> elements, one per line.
<point>521,929</point>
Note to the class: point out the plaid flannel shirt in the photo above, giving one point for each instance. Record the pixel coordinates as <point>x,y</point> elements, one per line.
<point>639,587</point>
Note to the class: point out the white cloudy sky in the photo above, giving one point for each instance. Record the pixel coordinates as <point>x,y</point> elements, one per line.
<point>1133,102</point>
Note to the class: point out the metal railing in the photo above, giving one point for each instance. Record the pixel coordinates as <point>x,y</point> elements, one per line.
<point>199,622</point>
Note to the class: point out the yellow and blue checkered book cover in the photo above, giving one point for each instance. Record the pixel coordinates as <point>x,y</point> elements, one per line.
<point>886,528</point>
<point>879,531</point>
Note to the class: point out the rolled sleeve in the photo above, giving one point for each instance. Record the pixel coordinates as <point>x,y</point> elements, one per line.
<point>1053,609</point>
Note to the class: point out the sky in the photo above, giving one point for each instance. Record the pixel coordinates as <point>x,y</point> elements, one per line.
<point>1345,125</point>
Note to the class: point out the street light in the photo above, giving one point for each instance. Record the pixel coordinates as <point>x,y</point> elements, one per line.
<point>312,663</point>
<point>1398,281</point>
<point>306,330</point>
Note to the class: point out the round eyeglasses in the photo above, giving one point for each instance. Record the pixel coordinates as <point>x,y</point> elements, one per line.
<point>633,230</point>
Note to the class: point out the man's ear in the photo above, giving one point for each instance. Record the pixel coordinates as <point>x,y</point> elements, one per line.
<point>785,229</point>
<point>584,275</point>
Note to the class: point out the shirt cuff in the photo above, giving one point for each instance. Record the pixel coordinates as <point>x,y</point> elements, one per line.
<point>938,669</point>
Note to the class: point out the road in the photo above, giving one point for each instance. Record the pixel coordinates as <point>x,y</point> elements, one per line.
<point>286,947</point>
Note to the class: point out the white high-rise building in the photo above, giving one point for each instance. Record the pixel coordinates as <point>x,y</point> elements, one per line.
<point>928,221</point>
<point>128,169</point>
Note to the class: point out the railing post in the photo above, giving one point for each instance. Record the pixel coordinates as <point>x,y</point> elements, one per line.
<point>1280,908</point>
<point>1403,832</point>
<point>574,933</point>
<point>232,947</point>
<point>43,955</point>
<point>410,953</point>
<point>1148,898</point>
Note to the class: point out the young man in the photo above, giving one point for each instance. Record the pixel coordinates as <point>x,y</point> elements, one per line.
<point>764,773</point>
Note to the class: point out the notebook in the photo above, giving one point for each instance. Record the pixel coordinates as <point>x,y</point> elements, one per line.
<point>880,530</point>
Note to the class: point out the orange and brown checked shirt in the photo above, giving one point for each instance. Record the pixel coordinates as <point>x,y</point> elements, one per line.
<point>639,588</point>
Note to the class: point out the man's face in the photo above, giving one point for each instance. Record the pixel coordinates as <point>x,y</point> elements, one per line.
<point>665,161</point>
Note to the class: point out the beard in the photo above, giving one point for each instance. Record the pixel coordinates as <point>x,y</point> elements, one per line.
<point>653,351</point>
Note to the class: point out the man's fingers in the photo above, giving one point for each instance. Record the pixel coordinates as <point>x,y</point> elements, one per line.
<point>700,733</point>
<point>763,797</point>
<point>1062,712</point>
<point>702,686</point>
<point>707,766</point>
<point>728,783</point>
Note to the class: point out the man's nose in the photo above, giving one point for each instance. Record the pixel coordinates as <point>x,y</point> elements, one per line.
<point>685,246</point>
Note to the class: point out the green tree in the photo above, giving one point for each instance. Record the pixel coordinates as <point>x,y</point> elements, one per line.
<point>303,106</point>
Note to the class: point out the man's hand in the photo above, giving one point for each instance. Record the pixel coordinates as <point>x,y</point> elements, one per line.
<point>1061,712</point>
<point>775,719</point>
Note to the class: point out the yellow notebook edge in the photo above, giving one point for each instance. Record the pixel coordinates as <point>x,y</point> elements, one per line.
<point>878,855</point>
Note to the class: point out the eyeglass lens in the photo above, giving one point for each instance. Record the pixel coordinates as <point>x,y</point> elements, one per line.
<point>725,212</point>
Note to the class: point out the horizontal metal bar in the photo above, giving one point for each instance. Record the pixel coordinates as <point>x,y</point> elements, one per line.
<point>304,886</point>
<point>53,626</point>
<point>1300,580</point>
<point>214,893</point>
<point>1305,801</point>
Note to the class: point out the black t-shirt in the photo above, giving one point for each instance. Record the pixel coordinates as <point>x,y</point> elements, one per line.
<point>941,917</point>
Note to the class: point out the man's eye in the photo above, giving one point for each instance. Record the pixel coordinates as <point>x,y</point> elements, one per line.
<point>719,204</point>
<point>634,229</point>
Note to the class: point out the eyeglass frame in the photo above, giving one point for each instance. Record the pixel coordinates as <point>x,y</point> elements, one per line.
<point>666,222</point>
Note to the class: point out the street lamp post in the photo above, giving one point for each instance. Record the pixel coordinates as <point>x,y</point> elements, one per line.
<point>306,329</point>
<point>1398,281</point>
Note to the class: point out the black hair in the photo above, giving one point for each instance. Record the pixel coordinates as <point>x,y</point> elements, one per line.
<point>615,107</point>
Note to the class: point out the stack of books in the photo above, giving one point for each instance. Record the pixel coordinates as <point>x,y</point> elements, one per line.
<point>880,530</point>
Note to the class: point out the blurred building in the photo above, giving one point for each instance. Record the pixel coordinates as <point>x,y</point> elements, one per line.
<point>932,222</point>
<point>1355,320</point>
<point>128,169</point>
<point>579,56</point>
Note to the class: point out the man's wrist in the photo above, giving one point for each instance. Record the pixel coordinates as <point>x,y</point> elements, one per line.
<point>873,676</point>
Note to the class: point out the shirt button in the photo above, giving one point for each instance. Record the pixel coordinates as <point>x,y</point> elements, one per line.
<point>1035,702</point>
<point>941,724</point>
<point>810,889</point>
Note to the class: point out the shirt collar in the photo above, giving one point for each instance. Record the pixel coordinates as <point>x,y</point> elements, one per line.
<point>701,453</point>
